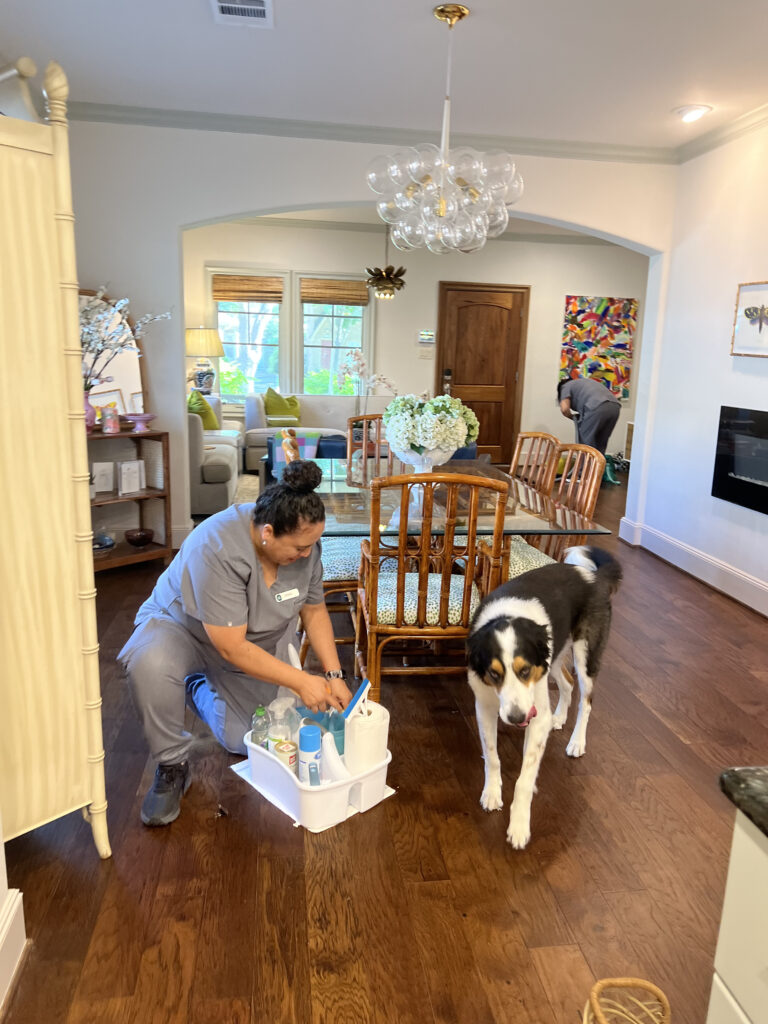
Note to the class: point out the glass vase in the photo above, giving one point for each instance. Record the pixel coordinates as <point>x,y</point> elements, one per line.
<point>90,413</point>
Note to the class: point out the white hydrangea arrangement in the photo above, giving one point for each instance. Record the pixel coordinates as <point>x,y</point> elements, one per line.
<point>419,424</point>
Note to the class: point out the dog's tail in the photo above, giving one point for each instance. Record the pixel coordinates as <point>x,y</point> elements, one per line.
<point>604,565</point>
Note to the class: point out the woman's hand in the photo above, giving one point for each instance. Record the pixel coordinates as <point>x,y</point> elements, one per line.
<point>340,691</point>
<point>317,695</point>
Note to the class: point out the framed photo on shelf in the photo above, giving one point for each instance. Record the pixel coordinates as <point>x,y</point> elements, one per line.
<point>137,401</point>
<point>750,320</point>
<point>98,399</point>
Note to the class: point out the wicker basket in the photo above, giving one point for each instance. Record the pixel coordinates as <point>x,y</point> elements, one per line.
<point>626,1001</point>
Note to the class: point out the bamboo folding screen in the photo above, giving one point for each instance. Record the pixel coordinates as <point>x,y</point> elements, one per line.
<point>51,748</point>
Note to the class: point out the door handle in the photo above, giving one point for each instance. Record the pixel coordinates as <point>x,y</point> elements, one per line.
<point>447,381</point>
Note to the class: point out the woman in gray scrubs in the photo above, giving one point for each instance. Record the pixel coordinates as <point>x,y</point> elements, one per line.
<point>214,633</point>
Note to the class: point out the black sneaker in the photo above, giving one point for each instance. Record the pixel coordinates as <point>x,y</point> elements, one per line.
<point>163,800</point>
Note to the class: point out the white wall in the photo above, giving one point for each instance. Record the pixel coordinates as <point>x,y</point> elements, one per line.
<point>719,241</point>
<point>551,270</point>
<point>135,189</point>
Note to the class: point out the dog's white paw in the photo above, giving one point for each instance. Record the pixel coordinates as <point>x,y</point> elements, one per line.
<point>576,748</point>
<point>519,832</point>
<point>490,799</point>
<point>558,721</point>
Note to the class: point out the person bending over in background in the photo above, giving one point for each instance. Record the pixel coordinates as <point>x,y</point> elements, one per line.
<point>215,631</point>
<point>597,409</point>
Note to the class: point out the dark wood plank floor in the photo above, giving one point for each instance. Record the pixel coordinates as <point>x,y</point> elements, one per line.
<point>417,911</point>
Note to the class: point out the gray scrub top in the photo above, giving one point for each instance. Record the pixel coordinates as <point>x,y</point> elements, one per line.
<point>586,394</point>
<point>217,578</point>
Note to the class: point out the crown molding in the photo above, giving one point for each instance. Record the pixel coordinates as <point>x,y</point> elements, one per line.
<point>107,113</point>
<point>380,229</point>
<point>743,125</point>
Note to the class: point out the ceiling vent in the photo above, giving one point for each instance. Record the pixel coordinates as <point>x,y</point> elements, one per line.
<point>253,13</point>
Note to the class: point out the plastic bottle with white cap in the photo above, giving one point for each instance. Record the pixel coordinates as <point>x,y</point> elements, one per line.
<point>309,752</point>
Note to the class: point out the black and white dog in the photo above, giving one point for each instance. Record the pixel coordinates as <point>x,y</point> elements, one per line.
<point>522,634</point>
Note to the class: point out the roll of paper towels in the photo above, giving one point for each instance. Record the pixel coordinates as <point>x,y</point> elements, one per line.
<point>365,743</point>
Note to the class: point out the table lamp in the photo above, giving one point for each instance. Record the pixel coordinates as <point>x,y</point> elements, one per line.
<point>203,343</point>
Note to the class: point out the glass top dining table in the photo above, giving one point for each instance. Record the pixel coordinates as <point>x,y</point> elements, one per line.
<point>348,504</point>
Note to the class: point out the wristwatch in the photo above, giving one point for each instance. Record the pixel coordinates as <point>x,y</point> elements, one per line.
<point>334,673</point>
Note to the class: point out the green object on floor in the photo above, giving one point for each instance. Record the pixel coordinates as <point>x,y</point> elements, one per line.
<point>609,477</point>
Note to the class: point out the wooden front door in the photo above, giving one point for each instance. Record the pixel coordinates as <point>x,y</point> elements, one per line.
<point>481,331</point>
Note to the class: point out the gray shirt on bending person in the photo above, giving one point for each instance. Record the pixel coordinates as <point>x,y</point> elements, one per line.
<point>597,407</point>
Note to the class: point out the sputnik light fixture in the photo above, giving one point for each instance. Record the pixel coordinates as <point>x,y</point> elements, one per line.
<point>451,200</point>
<point>385,280</point>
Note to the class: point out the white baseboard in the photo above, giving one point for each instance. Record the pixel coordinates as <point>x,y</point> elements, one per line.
<point>12,940</point>
<point>179,534</point>
<point>630,532</point>
<point>749,590</point>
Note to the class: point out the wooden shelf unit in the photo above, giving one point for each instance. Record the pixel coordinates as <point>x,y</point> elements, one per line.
<point>124,553</point>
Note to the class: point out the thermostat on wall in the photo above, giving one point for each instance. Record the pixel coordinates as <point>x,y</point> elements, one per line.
<point>426,337</point>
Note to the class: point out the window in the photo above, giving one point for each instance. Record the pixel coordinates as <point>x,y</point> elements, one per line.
<point>248,314</point>
<point>265,347</point>
<point>330,334</point>
<point>332,328</point>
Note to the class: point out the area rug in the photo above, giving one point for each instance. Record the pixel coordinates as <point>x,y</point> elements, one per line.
<point>247,488</point>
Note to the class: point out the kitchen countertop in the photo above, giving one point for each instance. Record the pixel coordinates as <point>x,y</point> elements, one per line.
<point>747,788</point>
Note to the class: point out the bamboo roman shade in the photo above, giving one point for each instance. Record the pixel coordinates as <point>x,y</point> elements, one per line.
<point>340,293</point>
<point>242,288</point>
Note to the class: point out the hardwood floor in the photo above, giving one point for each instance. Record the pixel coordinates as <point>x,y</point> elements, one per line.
<point>418,910</point>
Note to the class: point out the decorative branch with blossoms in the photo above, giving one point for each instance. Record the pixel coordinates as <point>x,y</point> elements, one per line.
<point>105,332</point>
<point>355,366</point>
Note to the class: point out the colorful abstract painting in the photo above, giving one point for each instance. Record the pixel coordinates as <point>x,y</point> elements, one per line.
<point>597,340</point>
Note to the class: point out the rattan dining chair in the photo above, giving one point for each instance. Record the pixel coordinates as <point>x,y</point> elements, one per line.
<point>534,463</point>
<point>576,487</point>
<point>366,448</point>
<point>534,460</point>
<point>365,435</point>
<point>290,445</point>
<point>426,585</point>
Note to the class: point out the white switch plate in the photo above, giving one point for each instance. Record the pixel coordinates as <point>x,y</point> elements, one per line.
<point>426,352</point>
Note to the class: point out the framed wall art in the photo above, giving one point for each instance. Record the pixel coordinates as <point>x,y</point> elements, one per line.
<point>102,398</point>
<point>598,334</point>
<point>750,320</point>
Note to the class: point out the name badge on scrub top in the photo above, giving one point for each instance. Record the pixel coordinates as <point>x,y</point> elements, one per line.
<point>286,595</point>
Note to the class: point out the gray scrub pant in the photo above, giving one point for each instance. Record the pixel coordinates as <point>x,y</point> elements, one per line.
<point>159,656</point>
<point>594,427</point>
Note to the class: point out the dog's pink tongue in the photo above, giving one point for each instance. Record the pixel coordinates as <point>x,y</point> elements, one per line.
<point>531,714</point>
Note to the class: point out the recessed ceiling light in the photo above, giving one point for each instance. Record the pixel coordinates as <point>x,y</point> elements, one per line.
<point>692,112</point>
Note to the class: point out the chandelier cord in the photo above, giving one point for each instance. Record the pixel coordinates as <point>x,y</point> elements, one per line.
<point>444,139</point>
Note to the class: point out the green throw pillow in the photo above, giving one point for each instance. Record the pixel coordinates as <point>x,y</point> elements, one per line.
<point>196,403</point>
<point>279,405</point>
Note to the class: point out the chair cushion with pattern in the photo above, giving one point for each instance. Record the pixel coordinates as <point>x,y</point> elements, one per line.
<point>523,557</point>
<point>341,558</point>
<point>387,602</point>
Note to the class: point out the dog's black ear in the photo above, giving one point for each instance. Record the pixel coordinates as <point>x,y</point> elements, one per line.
<point>540,641</point>
<point>481,648</point>
<point>478,652</point>
<point>533,643</point>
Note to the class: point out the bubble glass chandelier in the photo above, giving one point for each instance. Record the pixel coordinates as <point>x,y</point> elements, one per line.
<point>449,200</point>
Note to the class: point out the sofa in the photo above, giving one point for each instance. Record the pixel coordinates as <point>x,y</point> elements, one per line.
<point>326,413</point>
<point>213,471</point>
<point>230,431</point>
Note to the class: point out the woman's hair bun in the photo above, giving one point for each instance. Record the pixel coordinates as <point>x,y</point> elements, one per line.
<point>302,476</point>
